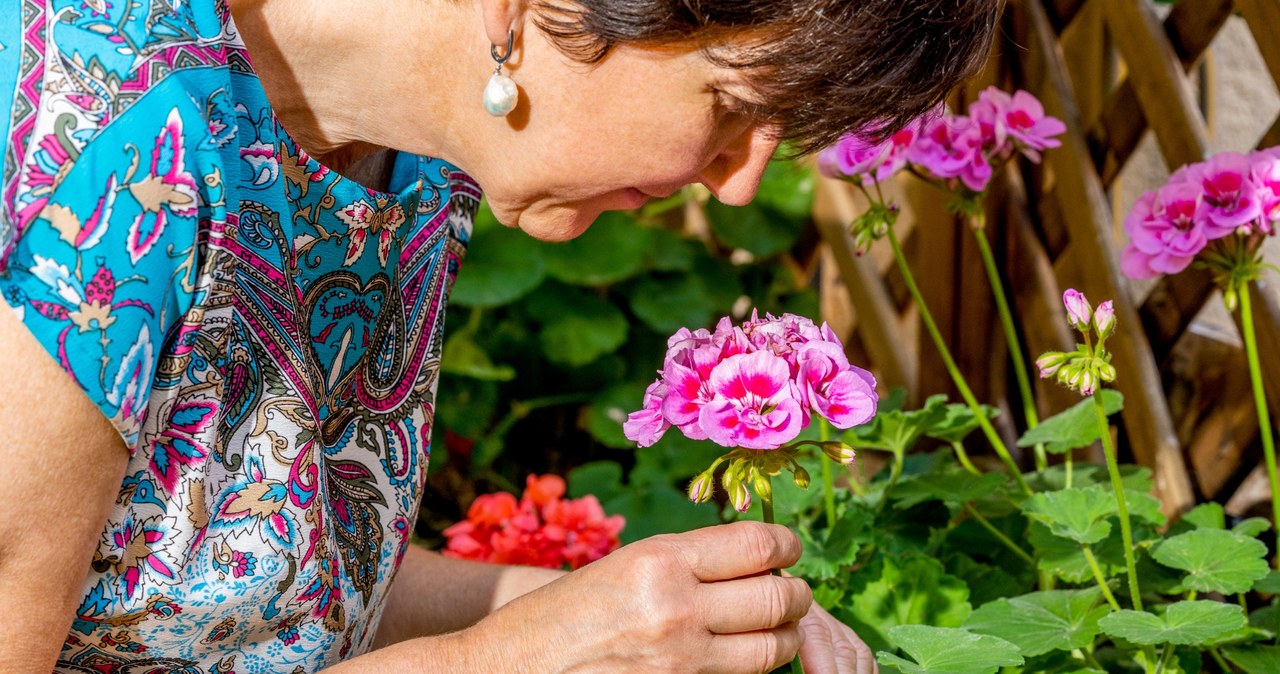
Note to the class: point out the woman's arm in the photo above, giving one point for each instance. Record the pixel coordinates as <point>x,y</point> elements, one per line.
<point>62,464</point>
<point>433,594</point>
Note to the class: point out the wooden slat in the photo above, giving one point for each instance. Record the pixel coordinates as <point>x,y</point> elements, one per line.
<point>1159,81</point>
<point>1264,22</point>
<point>1190,28</point>
<point>1063,12</point>
<point>1146,415</point>
<point>1272,137</point>
<point>1171,308</point>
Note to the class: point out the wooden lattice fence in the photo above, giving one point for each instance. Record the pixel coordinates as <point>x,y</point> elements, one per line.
<point>1113,71</point>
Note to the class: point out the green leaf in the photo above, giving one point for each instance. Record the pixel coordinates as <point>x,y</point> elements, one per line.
<point>757,228</point>
<point>1136,478</point>
<point>898,431</point>
<point>612,249</point>
<point>909,590</point>
<point>577,326</point>
<point>669,251</point>
<point>787,187</point>
<point>1269,584</point>
<point>1215,560</point>
<point>954,487</point>
<point>1255,659</point>
<point>463,357</point>
<point>1144,507</point>
<point>940,650</point>
<point>1063,557</point>
<point>1075,428</point>
<point>1252,527</point>
<point>1078,514</point>
<point>605,416</point>
<point>1040,622</point>
<point>1206,516</point>
<point>721,279</point>
<point>1184,623</point>
<point>502,265</point>
<point>668,303</point>
<point>600,478</point>
<point>650,505</point>
<point>829,553</point>
<point>959,422</point>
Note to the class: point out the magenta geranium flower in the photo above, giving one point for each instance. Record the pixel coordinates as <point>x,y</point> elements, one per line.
<point>1266,178</point>
<point>856,157</point>
<point>754,404</point>
<point>647,425</point>
<point>951,148</point>
<point>830,386</point>
<point>1164,231</point>
<point>1230,198</point>
<point>1015,123</point>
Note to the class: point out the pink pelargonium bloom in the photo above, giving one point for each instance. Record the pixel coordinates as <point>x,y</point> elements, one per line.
<point>1230,198</point>
<point>783,336</point>
<point>855,156</point>
<point>1015,123</point>
<point>687,373</point>
<point>1266,178</point>
<point>646,426</point>
<point>1078,310</point>
<point>755,404</point>
<point>951,148</point>
<point>842,393</point>
<point>1164,233</point>
<point>584,531</point>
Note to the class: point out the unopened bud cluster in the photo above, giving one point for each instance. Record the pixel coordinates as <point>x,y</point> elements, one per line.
<point>1089,366</point>
<point>750,470</point>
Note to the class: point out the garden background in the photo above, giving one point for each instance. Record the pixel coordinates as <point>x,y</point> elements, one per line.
<point>550,346</point>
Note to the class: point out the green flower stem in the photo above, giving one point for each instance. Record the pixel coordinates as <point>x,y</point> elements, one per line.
<point>828,479</point>
<point>963,457</point>
<point>1102,580</point>
<point>987,429</point>
<point>1091,661</point>
<point>766,509</point>
<point>1113,468</point>
<point>1010,333</point>
<point>973,512</point>
<point>1260,401</point>
<point>1165,658</point>
<point>1222,662</point>
<point>895,472</point>
<point>1069,464</point>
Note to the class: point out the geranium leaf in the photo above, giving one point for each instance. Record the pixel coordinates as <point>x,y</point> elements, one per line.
<point>668,303</point>
<point>1251,527</point>
<point>1215,560</point>
<point>941,650</point>
<point>1206,516</point>
<point>959,422</point>
<point>577,326</point>
<point>953,487</point>
<point>757,228</point>
<point>898,431</point>
<point>610,409</point>
<point>1041,622</point>
<point>1081,515</point>
<point>1183,623</point>
<point>909,590</point>
<point>669,251</point>
<point>1255,659</point>
<point>612,249</point>
<point>1075,428</point>
<point>829,553</point>
<point>463,357</point>
<point>1268,584</point>
<point>502,265</point>
<point>1063,557</point>
<point>1145,507</point>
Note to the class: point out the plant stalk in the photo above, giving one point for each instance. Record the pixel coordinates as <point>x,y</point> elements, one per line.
<point>973,512</point>
<point>1098,576</point>
<point>1260,401</point>
<point>766,511</point>
<point>1010,334</point>
<point>1113,468</point>
<point>828,479</point>
<point>965,392</point>
<point>963,457</point>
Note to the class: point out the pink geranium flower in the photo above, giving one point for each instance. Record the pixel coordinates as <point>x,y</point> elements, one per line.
<point>755,404</point>
<point>856,157</point>
<point>1015,123</point>
<point>951,148</point>
<point>647,425</point>
<point>1266,178</point>
<point>1164,231</point>
<point>829,385</point>
<point>1230,198</point>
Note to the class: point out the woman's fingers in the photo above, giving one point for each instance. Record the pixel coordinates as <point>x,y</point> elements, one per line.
<point>754,603</point>
<point>818,654</point>
<point>762,651</point>
<point>740,549</point>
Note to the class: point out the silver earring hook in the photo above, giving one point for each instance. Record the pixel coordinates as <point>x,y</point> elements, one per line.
<point>493,50</point>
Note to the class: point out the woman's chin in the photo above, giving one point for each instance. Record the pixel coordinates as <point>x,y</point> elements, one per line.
<point>557,223</point>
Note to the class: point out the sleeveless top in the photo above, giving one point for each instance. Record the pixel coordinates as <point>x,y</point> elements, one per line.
<point>264,333</point>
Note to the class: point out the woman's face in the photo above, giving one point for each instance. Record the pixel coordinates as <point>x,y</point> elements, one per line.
<point>639,125</point>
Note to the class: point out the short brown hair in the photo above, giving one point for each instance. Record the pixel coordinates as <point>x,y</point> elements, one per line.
<point>828,66</point>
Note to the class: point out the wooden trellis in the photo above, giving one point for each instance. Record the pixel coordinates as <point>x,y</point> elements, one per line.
<point>1054,228</point>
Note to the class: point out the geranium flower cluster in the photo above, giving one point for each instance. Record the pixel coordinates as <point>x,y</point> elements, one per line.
<point>541,529</point>
<point>1231,193</point>
<point>960,151</point>
<point>754,386</point>
<point>1086,368</point>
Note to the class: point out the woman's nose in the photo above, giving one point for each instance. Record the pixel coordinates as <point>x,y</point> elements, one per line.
<point>734,175</point>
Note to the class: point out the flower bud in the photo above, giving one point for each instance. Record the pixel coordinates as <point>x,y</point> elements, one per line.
<point>1069,374</point>
<point>1078,310</point>
<point>1106,371</point>
<point>1085,381</point>
<point>702,488</point>
<point>801,477</point>
<point>1231,298</point>
<point>1104,319</point>
<point>764,489</point>
<point>839,452</point>
<point>1049,363</point>
<point>740,496</point>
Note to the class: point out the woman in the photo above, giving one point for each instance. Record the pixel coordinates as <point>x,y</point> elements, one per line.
<point>219,467</point>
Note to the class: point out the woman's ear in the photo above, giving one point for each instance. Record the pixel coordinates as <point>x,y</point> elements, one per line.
<point>501,16</point>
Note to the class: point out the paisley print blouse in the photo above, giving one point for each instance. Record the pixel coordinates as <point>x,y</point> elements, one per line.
<point>263,332</point>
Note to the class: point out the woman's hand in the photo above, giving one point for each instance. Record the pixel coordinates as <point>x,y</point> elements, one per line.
<point>830,647</point>
<point>701,601</point>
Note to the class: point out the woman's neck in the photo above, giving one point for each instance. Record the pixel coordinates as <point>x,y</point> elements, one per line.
<point>346,79</point>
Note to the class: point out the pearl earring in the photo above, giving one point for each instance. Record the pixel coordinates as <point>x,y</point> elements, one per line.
<point>500,94</point>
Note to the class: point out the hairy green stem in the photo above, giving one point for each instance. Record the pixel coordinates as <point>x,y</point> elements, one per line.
<point>1113,468</point>
<point>766,509</point>
<point>1222,662</point>
<point>1010,333</point>
<point>828,479</point>
<point>963,457</point>
<point>1098,576</point>
<point>1165,658</point>
<point>973,512</point>
<point>963,386</point>
<point>1260,401</point>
